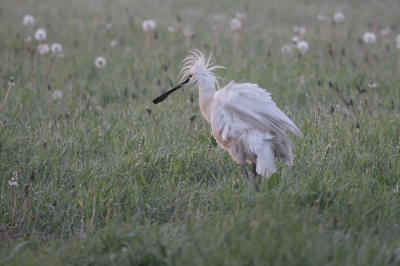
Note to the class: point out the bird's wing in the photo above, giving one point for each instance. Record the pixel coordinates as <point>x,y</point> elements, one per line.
<point>239,107</point>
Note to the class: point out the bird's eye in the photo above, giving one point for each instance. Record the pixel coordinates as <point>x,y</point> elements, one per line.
<point>190,76</point>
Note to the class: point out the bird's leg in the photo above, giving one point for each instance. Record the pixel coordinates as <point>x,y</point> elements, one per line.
<point>254,171</point>
<point>256,180</point>
<point>245,170</point>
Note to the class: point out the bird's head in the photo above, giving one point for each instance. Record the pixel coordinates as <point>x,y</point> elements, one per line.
<point>197,70</point>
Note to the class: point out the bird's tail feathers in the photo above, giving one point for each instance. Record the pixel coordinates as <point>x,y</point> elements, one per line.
<point>266,161</point>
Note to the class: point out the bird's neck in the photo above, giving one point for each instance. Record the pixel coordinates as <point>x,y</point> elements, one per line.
<point>206,94</point>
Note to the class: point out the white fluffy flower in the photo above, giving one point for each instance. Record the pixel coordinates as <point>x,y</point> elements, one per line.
<point>28,38</point>
<point>235,24</point>
<point>286,48</point>
<point>299,30</point>
<point>219,17</point>
<point>338,17</point>
<point>322,17</point>
<point>372,84</point>
<point>40,34</point>
<point>385,31</point>
<point>302,46</point>
<point>295,40</point>
<point>57,95</point>
<point>149,25</point>
<point>100,62</point>
<point>369,37</point>
<point>398,39</point>
<point>171,29</point>
<point>188,32</point>
<point>43,48</point>
<point>28,20</point>
<point>56,48</point>
<point>241,14</point>
<point>113,43</point>
<point>14,181</point>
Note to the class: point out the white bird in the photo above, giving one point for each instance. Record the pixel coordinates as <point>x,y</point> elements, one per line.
<point>244,119</point>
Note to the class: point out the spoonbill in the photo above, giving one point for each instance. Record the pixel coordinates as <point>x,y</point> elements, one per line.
<point>244,119</point>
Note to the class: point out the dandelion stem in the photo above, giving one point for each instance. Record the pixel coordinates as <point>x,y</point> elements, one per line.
<point>316,97</point>
<point>154,119</point>
<point>235,42</point>
<point>398,63</point>
<point>358,135</point>
<point>326,155</point>
<point>109,205</point>
<point>7,94</point>
<point>237,201</point>
<point>147,41</point>
<point>15,205</point>
<point>373,99</point>
<point>82,221</point>
<point>54,65</point>
<point>94,24</point>
<point>94,208</point>
<point>28,202</point>
<point>25,197</point>
<point>48,102</point>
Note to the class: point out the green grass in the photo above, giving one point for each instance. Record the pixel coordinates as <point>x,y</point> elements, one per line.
<point>114,188</point>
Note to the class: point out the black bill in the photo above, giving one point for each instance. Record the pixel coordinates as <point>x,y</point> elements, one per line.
<point>165,95</point>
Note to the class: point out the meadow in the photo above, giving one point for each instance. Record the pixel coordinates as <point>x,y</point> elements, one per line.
<point>105,177</point>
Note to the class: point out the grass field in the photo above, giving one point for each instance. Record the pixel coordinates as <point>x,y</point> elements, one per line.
<point>118,184</point>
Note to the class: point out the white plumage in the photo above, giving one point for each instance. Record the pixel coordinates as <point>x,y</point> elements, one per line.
<point>244,119</point>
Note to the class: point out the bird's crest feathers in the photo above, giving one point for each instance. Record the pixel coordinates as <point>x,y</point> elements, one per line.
<point>197,64</point>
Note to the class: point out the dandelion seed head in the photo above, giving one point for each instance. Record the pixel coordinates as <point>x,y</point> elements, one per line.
<point>56,48</point>
<point>369,37</point>
<point>11,82</point>
<point>299,30</point>
<point>28,20</point>
<point>219,17</point>
<point>338,17</point>
<point>28,39</point>
<point>385,31</point>
<point>295,40</point>
<point>149,25</point>
<point>241,14</point>
<point>100,62</point>
<point>235,24</point>
<point>188,32</point>
<point>398,39</point>
<point>171,29</point>
<point>321,17</point>
<point>108,26</point>
<point>302,46</point>
<point>43,48</point>
<point>14,180</point>
<point>40,34</point>
<point>57,95</point>
<point>372,84</point>
<point>113,43</point>
<point>286,49</point>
